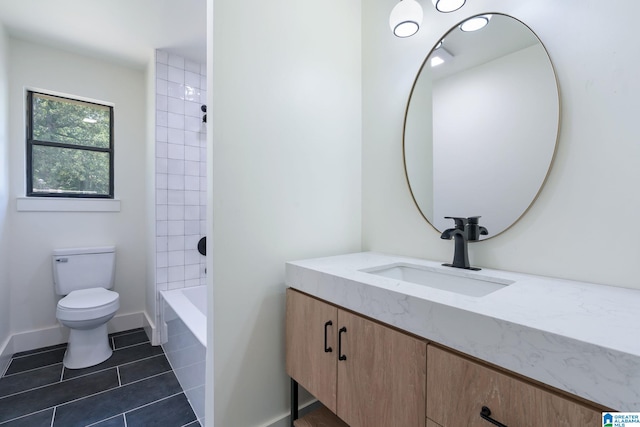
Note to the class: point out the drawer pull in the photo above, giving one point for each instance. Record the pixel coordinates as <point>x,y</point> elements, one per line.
<point>485,414</point>
<point>340,332</point>
<point>326,325</point>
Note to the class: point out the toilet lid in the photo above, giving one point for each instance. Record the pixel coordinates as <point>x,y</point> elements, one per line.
<point>88,298</point>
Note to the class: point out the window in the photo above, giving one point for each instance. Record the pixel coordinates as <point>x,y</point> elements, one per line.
<point>69,147</point>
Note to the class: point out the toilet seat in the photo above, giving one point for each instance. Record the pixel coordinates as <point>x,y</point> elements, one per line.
<point>85,304</point>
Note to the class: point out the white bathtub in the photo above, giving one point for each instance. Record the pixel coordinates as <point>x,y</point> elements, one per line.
<point>184,313</point>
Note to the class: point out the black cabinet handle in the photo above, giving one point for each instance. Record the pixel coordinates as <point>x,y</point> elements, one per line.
<point>326,325</point>
<point>485,414</point>
<point>340,332</point>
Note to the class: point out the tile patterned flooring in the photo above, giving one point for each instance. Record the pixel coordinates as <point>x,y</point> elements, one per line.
<point>134,388</point>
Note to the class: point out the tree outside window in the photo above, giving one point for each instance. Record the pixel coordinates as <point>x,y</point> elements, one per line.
<point>69,147</point>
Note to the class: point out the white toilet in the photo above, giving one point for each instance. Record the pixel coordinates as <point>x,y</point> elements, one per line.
<point>85,276</point>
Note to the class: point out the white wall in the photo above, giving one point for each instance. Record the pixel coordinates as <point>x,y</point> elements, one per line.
<point>151,297</point>
<point>581,225</point>
<point>35,234</point>
<point>286,180</point>
<point>5,287</point>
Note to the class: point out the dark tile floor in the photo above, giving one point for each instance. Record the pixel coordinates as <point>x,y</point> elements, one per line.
<point>134,388</point>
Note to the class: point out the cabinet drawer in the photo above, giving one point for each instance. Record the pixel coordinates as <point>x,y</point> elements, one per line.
<point>458,388</point>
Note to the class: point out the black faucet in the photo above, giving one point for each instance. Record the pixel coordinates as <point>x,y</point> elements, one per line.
<point>466,229</point>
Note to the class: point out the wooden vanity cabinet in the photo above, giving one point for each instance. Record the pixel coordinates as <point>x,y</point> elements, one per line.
<point>458,388</point>
<point>378,373</point>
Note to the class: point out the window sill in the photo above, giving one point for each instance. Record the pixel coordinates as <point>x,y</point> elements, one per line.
<point>63,204</point>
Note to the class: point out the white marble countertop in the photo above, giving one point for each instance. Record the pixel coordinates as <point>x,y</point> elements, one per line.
<point>579,337</point>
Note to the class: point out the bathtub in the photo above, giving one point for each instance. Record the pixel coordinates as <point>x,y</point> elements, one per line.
<point>184,314</point>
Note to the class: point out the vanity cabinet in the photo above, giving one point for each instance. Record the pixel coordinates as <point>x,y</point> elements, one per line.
<point>373,376</point>
<point>458,388</point>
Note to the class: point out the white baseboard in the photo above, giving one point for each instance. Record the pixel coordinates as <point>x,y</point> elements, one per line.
<point>6,351</point>
<point>58,334</point>
<point>153,333</point>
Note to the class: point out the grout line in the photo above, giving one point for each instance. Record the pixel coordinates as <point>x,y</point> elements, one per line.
<point>118,372</point>
<point>62,373</point>
<point>36,352</point>
<point>6,422</point>
<point>53,416</point>
<point>124,417</point>
<point>106,419</point>
<point>154,402</point>
<point>31,370</point>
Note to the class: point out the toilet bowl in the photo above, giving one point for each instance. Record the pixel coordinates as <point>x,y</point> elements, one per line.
<point>84,276</point>
<point>86,313</point>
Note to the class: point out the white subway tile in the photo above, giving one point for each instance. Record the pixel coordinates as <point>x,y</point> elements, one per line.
<point>192,109</point>
<point>192,282</point>
<point>192,66</point>
<point>192,257</point>
<point>162,57</point>
<point>162,86</point>
<point>161,165</point>
<point>161,103</point>
<point>203,168</point>
<point>190,227</point>
<point>161,243</point>
<point>175,136</point>
<point>162,286</point>
<point>192,93</point>
<point>178,284</point>
<point>161,213</point>
<point>191,168</point>
<point>203,82</point>
<point>203,69</point>
<point>203,96</point>
<point>192,272</point>
<point>191,138</point>
<point>192,198</point>
<point>191,241</point>
<point>192,124</point>
<point>203,226</point>
<point>192,79</point>
<point>161,181</point>
<point>161,196</point>
<point>162,259</point>
<point>176,182</point>
<point>176,243</point>
<point>176,274</point>
<point>162,150</point>
<point>161,275</point>
<point>175,258</point>
<point>175,197</point>
<point>175,90</point>
<point>162,118</point>
<point>176,75</point>
<point>175,105</point>
<point>176,228</point>
<point>191,212</point>
<point>191,182</point>
<point>203,183</point>
<point>203,212</point>
<point>161,133</point>
<point>176,61</point>
<point>203,198</point>
<point>175,167</point>
<point>161,228</point>
<point>176,152</point>
<point>175,212</point>
<point>192,153</point>
<point>162,72</point>
<point>176,121</point>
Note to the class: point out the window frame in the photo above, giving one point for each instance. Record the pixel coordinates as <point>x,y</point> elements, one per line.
<point>31,142</point>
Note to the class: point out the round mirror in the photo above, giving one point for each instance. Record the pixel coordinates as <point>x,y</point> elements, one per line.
<point>481,124</point>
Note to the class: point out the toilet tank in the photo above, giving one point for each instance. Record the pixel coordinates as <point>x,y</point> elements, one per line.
<point>83,268</point>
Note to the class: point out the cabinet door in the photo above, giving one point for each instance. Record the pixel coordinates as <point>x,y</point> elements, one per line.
<point>306,359</point>
<point>458,388</point>
<point>382,381</point>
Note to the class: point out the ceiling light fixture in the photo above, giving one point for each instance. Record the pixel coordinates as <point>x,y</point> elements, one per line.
<point>440,56</point>
<point>406,18</point>
<point>446,6</point>
<point>476,23</point>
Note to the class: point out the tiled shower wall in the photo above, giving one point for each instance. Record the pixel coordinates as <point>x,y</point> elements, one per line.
<point>180,171</point>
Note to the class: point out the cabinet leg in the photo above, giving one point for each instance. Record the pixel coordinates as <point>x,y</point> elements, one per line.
<point>294,401</point>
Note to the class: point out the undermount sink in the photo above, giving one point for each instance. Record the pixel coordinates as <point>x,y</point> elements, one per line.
<point>451,280</point>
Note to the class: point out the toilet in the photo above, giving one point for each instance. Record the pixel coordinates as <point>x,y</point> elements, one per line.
<point>84,276</point>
